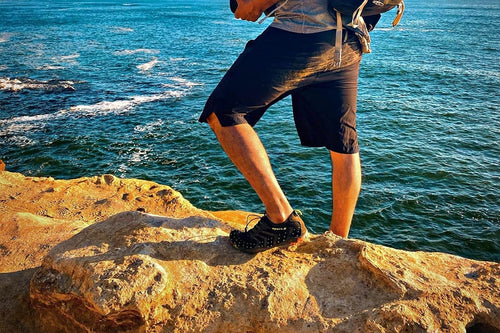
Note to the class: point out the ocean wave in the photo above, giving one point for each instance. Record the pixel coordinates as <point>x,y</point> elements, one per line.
<point>70,57</point>
<point>175,59</point>
<point>21,141</point>
<point>149,65</point>
<point>58,61</point>
<point>149,127</point>
<point>445,69</point>
<point>18,84</point>
<point>5,36</point>
<point>182,82</point>
<point>23,124</point>
<point>129,52</point>
<point>139,155</point>
<point>47,67</point>
<point>122,29</point>
<point>67,58</point>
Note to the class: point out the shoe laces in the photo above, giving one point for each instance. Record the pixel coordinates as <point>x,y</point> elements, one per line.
<point>252,218</point>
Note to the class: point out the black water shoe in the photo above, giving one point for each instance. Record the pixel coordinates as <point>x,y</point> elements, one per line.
<point>266,234</point>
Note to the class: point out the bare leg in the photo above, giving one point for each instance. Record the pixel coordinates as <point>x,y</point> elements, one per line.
<point>346,184</point>
<point>244,148</point>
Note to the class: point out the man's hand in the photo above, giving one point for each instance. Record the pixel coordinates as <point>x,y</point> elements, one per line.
<point>249,10</point>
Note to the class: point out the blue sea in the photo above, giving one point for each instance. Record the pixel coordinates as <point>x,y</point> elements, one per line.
<point>95,87</point>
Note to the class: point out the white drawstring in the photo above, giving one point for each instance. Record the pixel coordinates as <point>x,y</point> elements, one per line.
<point>357,14</point>
<point>337,59</point>
<point>272,12</point>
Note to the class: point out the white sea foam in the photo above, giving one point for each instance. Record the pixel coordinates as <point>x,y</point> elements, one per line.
<point>3,67</point>
<point>21,141</point>
<point>47,67</point>
<point>121,106</point>
<point>150,127</point>
<point>122,29</point>
<point>9,84</point>
<point>177,59</point>
<point>179,81</point>
<point>5,36</point>
<point>149,65</point>
<point>128,52</point>
<point>139,155</point>
<point>11,129</point>
<point>68,58</point>
<point>23,124</point>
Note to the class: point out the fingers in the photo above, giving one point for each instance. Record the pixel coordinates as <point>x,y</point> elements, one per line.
<point>247,10</point>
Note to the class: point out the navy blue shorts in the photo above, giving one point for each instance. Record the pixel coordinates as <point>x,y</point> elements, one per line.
<point>279,63</point>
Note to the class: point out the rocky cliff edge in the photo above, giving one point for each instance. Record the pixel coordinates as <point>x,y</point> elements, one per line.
<point>104,254</point>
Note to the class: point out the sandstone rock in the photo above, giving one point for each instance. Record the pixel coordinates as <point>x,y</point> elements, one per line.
<point>89,199</point>
<point>94,264</point>
<point>136,272</point>
<point>37,213</point>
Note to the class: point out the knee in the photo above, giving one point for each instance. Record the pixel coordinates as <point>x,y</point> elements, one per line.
<point>345,160</point>
<point>348,166</point>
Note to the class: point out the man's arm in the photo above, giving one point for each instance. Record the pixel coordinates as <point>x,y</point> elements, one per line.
<point>251,10</point>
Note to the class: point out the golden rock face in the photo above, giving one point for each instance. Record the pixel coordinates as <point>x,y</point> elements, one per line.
<point>77,255</point>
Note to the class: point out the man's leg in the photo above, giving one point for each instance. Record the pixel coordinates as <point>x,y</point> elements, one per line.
<point>346,185</point>
<point>244,148</point>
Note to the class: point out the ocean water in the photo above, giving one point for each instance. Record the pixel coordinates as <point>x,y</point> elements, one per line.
<point>94,87</point>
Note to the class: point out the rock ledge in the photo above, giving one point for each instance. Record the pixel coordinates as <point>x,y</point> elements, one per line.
<point>78,257</point>
<point>139,272</point>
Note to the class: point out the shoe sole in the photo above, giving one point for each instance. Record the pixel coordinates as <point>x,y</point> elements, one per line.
<point>292,244</point>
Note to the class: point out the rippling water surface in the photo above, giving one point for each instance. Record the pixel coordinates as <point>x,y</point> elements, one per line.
<point>116,87</point>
